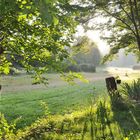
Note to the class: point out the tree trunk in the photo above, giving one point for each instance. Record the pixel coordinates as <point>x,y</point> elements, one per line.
<point>138,42</point>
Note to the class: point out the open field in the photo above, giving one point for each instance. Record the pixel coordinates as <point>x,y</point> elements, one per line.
<point>21,83</point>
<point>19,98</point>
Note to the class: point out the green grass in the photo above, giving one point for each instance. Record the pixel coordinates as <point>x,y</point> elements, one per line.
<point>60,100</point>
<point>100,121</point>
<point>20,99</point>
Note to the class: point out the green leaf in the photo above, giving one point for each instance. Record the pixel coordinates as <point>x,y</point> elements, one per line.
<point>24,2</point>
<point>55,20</point>
<point>47,1</point>
<point>6,70</point>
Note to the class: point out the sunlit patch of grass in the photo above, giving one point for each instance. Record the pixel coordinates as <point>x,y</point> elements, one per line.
<point>76,120</point>
<point>61,100</point>
<point>97,122</point>
<point>100,120</point>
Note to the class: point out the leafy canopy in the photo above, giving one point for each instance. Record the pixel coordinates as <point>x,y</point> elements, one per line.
<point>122,21</point>
<point>35,34</point>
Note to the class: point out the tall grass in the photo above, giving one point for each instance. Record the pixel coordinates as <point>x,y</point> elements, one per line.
<point>132,90</point>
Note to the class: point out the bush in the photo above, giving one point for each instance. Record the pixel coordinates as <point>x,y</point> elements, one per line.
<point>87,68</point>
<point>118,102</point>
<point>73,68</point>
<point>81,67</point>
<point>87,52</point>
<point>6,129</point>
<point>136,67</point>
<point>132,90</point>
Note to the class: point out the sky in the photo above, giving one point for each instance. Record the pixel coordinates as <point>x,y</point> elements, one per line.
<point>122,60</point>
<point>104,48</point>
<point>95,36</point>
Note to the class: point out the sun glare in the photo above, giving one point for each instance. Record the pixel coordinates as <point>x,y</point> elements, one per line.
<point>102,45</point>
<point>95,36</point>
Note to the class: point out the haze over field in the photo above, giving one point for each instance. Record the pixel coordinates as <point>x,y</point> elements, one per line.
<point>122,59</point>
<point>52,84</point>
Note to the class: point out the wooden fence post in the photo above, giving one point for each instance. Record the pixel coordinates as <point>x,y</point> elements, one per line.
<point>111,85</point>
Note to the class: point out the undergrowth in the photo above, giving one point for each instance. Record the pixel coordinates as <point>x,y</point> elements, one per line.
<point>132,90</point>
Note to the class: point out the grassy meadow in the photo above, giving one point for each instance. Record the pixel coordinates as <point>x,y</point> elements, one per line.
<point>80,111</point>
<point>20,98</point>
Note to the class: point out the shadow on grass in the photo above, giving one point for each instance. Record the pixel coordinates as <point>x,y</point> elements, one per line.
<point>106,121</point>
<point>127,116</point>
<point>113,120</point>
<point>105,127</point>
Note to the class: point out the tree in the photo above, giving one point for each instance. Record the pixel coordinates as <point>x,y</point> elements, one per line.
<point>35,31</point>
<point>88,52</point>
<point>123,22</point>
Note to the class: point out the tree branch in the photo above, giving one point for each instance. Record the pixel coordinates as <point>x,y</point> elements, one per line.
<point>135,24</point>
<point>1,38</point>
<point>137,11</point>
<point>127,14</point>
<point>127,25</point>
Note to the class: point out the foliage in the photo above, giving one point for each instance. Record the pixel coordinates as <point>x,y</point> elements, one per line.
<point>87,67</point>
<point>81,68</point>
<point>85,55</point>
<point>86,52</point>
<point>121,19</point>
<point>35,34</point>
<point>132,90</point>
<point>71,76</point>
<point>6,129</point>
<point>46,108</point>
<point>72,67</point>
<point>117,101</point>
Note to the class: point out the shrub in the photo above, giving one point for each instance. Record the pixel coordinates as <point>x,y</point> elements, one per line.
<point>73,68</point>
<point>6,129</point>
<point>87,68</point>
<point>136,67</point>
<point>118,102</point>
<point>132,90</point>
